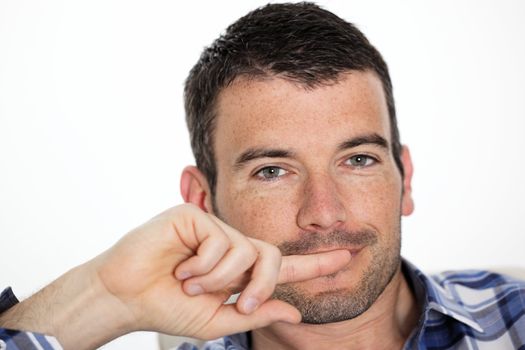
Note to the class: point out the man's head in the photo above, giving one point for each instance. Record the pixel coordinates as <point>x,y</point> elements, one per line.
<point>293,127</point>
<point>299,42</point>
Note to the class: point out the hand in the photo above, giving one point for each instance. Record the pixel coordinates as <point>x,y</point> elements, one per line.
<point>175,272</point>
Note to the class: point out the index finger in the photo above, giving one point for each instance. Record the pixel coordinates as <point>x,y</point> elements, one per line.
<point>295,268</point>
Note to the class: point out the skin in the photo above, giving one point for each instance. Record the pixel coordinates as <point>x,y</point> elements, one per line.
<point>299,184</point>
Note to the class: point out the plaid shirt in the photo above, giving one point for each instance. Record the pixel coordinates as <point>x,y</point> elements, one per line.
<point>461,310</point>
<point>18,340</point>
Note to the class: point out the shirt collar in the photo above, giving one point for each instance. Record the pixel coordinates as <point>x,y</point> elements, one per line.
<point>432,296</point>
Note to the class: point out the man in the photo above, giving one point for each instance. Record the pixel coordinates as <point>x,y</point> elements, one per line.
<point>296,201</point>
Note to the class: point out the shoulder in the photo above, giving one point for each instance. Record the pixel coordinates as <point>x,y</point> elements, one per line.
<point>480,292</point>
<point>469,307</point>
<point>467,284</point>
<point>481,283</point>
<point>492,304</point>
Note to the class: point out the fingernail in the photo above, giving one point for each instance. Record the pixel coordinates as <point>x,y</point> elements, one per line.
<point>194,289</point>
<point>184,275</point>
<point>250,305</point>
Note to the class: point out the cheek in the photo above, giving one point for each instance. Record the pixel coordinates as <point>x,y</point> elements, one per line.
<point>374,202</point>
<point>268,218</point>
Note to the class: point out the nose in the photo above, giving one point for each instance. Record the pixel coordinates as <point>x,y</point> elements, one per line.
<point>322,209</point>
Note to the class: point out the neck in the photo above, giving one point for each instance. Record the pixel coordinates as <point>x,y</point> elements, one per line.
<point>385,325</point>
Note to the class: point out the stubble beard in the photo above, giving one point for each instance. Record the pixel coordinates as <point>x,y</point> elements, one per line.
<point>344,304</point>
<point>340,305</point>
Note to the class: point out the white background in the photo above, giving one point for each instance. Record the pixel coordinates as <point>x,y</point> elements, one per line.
<point>93,139</point>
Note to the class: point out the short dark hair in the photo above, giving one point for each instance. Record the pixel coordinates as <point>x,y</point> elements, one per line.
<point>300,42</point>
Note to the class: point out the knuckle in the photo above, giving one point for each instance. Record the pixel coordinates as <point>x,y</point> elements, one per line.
<point>263,291</point>
<point>239,284</point>
<point>247,252</point>
<point>200,264</point>
<point>219,240</point>
<point>223,240</point>
<point>268,249</point>
<point>213,281</point>
<point>186,208</point>
<point>274,252</point>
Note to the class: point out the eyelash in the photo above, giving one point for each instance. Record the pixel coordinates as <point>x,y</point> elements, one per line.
<point>366,157</point>
<point>260,176</point>
<point>259,173</point>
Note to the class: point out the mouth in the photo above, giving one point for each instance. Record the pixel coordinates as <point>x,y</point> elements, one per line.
<point>353,250</point>
<point>311,243</point>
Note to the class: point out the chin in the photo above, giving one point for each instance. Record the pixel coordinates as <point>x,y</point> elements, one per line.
<point>339,297</point>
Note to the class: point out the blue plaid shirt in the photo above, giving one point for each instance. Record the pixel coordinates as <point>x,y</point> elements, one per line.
<point>461,310</point>
<point>18,340</point>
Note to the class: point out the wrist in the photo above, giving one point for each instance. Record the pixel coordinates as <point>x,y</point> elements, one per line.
<point>90,316</point>
<point>76,309</point>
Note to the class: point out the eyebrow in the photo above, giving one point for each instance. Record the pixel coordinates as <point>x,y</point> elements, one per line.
<point>372,139</point>
<point>255,153</point>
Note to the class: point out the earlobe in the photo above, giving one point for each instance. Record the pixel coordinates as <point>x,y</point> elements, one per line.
<point>194,188</point>
<point>407,203</point>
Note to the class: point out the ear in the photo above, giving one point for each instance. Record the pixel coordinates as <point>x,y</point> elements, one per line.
<point>407,203</point>
<point>195,189</point>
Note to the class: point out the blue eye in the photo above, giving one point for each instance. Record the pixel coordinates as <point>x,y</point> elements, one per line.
<point>361,161</point>
<point>271,173</point>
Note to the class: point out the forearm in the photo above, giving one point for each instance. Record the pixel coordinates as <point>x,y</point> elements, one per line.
<point>75,308</point>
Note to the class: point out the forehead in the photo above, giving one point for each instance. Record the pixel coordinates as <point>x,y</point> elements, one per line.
<point>275,112</point>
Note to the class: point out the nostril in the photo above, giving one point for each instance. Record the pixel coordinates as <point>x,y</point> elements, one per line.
<point>322,208</point>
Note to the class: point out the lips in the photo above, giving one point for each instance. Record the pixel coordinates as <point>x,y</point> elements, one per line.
<point>353,251</point>
<point>311,242</point>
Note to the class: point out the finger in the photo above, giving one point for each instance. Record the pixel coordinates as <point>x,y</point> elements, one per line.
<point>228,320</point>
<point>263,277</point>
<point>209,253</point>
<point>231,266</point>
<point>295,268</point>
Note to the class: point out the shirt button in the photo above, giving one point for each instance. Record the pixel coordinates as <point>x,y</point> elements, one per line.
<point>2,345</point>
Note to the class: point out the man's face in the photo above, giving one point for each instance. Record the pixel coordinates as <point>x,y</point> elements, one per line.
<point>311,170</point>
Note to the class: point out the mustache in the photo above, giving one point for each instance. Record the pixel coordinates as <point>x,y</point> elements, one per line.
<point>313,240</point>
